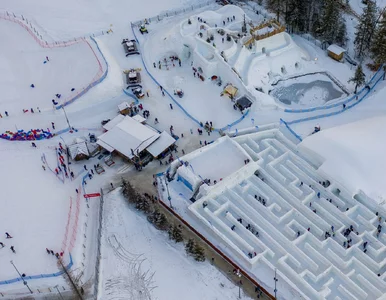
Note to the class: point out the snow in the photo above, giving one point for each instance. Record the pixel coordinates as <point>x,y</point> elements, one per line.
<point>360,160</point>
<point>133,243</point>
<point>36,203</point>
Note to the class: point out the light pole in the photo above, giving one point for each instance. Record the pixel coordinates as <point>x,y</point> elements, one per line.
<point>238,274</point>
<point>276,280</point>
<point>56,286</point>
<point>22,278</point>
<point>65,114</point>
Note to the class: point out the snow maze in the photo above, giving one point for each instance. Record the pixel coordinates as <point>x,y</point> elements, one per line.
<point>264,217</point>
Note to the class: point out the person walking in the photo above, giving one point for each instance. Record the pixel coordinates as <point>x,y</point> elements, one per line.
<point>171,106</point>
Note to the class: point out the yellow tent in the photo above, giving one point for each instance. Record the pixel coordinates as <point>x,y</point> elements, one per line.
<point>230,90</point>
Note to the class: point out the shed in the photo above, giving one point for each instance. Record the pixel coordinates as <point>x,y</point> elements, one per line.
<point>230,90</point>
<point>79,150</point>
<point>243,103</point>
<point>335,52</point>
<point>124,108</point>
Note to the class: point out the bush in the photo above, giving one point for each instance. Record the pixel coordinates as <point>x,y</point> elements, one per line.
<point>175,234</point>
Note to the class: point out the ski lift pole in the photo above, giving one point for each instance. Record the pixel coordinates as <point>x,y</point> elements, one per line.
<point>21,277</point>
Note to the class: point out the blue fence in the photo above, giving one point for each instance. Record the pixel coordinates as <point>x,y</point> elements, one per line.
<point>86,89</point>
<point>131,95</point>
<point>346,101</point>
<point>290,130</point>
<point>175,101</point>
<point>38,276</point>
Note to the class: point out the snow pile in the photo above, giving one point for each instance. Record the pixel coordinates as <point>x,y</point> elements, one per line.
<point>358,149</point>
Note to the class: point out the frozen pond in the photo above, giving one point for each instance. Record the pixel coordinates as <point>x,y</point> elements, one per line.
<point>299,92</point>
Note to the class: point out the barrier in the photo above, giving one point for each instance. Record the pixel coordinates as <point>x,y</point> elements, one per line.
<point>175,101</point>
<point>131,96</point>
<point>290,130</point>
<point>10,281</point>
<point>175,12</point>
<point>95,82</point>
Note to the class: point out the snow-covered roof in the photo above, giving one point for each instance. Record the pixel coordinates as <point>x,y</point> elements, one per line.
<point>122,106</point>
<point>113,122</point>
<point>336,49</point>
<point>139,119</point>
<point>78,148</point>
<point>128,134</point>
<point>132,74</point>
<point>165,140</point>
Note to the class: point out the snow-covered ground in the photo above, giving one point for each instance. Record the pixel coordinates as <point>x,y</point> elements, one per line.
<point>139,262</point>
<point>38,209</point>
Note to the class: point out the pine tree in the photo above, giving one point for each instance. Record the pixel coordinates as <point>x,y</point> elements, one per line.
<point>378,48</point>
<point>189,247</point>
<point>199,253</point>
<point>365,29</point>
<point>359,78</point>
<point>175,234</point>
<point>129,192</point>
<point>277,6</point>
<point>143,204</point>
<point>341,37</point>
<point>330,21</point>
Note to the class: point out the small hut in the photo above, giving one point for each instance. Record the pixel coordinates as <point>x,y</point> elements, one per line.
<point>124,108</point>
<point>78,150</point>
<point>229,90</point>
<point>243,103</point>
<point>335,52</point>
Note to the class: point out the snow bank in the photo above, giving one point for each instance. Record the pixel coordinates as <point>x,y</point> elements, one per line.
<point>358,149</point>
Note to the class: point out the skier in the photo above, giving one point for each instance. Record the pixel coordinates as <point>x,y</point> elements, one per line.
<point>179,62</point>
<point>76,190</point>
<point>54,102</point>
<point>57,171</point>
<point>344,106</point>
<point>8,236</point>
<point>183,152</point>
<point>163,93</point>
<point>38,109</point>
<point>32,85</point>
<point>156,121</point>
<point>171,106</point>
<point>89,176</point>
<point>161,88</point>
<point>6,113</point>
<point>73,89</point>
<point>53,125</point>
<point>2,245</point>
<point>33,145</point>
<point>112,186</point>
<point>13,249</point>
<point>48,251</point>
<point>47,58</point>
<point>85,167</point>
<point>92,172</point>
<point>32,110</point>
<point>154,65</point>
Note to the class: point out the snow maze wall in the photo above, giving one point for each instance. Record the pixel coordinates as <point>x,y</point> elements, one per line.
<point>319,267</point>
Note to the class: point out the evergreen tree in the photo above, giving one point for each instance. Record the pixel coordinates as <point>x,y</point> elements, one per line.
<point>158,219</point>
<point>129,192</point>
<point>359,78</point>
<point>277,6</point>
<point>143,204</point>
<point>199,253</point>
<point>330,21</point>
<point>378,48</point>
<point>175,234</point>
<point>189,247</point>
<point>365,29</point>
<point>341,37</point>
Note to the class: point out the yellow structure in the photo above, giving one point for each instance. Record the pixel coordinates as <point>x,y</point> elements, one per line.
<point>272,23</point>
